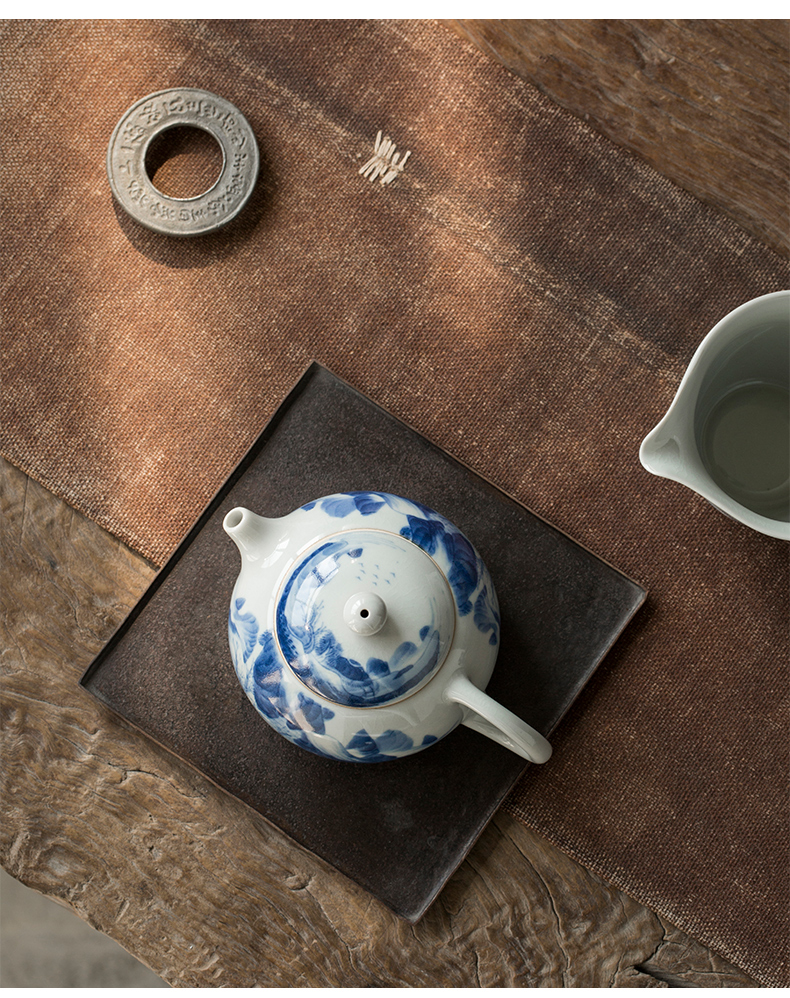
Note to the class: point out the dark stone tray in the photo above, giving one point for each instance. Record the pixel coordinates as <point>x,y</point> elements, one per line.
<point>399,829</point>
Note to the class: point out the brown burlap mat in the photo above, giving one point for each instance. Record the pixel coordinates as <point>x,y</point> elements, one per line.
<point>524,294</point>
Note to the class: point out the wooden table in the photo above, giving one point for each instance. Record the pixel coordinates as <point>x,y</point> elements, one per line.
<point>191,882</point>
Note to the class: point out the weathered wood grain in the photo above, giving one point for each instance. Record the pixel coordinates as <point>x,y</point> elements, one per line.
<point>204,891</point>
<point>705,102</point>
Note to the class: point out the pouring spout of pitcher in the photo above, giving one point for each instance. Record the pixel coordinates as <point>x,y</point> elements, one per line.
<point>660,453</point>
<point>669,449</point>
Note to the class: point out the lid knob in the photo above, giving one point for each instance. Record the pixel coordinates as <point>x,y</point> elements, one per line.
<point>365,613</point>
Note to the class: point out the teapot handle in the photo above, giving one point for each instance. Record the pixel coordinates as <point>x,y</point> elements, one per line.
<point>495,721</point>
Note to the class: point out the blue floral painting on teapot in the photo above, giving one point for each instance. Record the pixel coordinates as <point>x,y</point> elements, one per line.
<point>302,635</point>
<point>311,646</point>
<point>429,531</point>
<point>299,717</point>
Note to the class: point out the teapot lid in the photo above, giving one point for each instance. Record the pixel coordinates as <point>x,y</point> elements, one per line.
<point>365,618</point>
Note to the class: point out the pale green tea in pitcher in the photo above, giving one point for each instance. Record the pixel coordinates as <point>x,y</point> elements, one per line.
<point>745,445</point>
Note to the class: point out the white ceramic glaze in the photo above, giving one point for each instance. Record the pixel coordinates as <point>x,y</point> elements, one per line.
<point>365,627</point>
<point>747,351</point>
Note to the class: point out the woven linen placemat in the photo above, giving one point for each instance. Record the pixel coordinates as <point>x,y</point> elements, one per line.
<point>523,293</point>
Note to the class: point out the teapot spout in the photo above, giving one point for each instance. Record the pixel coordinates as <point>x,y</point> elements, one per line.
<point>248,532</point>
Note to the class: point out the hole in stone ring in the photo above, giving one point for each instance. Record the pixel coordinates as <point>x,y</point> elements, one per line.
<point>184,162</point>
<point>364,613</point>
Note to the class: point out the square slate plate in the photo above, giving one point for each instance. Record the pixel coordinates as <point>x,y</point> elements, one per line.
<point>399,829</point>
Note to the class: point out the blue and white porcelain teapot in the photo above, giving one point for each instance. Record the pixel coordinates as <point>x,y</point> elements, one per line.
<point>364,627</point>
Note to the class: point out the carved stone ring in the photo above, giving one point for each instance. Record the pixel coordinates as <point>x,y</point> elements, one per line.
<point>157,113</point>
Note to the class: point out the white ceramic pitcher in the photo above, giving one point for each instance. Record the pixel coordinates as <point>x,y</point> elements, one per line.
<point>726,434</point>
